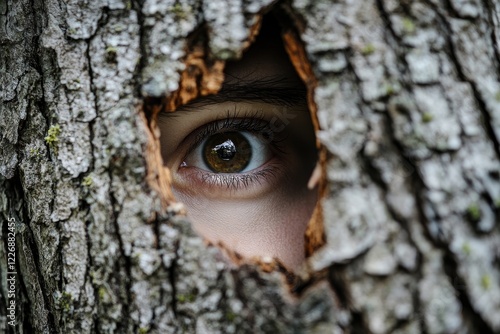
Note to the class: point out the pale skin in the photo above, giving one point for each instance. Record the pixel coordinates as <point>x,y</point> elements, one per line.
<point>261,206</point>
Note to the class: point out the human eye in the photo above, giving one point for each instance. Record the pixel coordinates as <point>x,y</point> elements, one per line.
<point>231,152</point>
<point>235,156</point>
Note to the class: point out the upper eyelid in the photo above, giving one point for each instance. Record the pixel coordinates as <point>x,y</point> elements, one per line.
<point>254,122</point>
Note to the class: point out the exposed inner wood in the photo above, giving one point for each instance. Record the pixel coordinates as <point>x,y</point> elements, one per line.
<point>200,78</point>
<point>202,75</point>
<point>158,177</point>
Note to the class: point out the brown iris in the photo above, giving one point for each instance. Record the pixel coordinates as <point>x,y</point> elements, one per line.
<point>227,152</point>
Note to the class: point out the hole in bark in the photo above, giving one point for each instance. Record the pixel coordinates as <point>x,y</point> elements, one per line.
<point>240,148</point>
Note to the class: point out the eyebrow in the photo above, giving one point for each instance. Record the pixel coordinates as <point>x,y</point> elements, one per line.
<point>273,90</point>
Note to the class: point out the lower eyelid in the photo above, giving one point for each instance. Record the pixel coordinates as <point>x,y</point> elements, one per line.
<point>220,185</point>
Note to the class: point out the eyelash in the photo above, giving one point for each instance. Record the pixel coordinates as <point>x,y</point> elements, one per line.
<point>236,182</point>
<point>231,122</point>
<point>253,123</point>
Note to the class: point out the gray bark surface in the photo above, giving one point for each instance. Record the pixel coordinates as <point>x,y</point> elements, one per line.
<point>408,101</point>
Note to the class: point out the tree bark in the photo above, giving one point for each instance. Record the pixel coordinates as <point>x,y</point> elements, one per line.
<point>408,103</point>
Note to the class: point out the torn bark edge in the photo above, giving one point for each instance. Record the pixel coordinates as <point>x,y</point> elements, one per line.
<point>158,177</point>
<point>315,234</point>
<point>266,264</point>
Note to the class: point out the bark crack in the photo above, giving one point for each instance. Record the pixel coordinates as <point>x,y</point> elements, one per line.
<point>30,244</point>
<point>90,263</point>
<point>172,279</point>
<point>394,46</point>
<point>474,320</point>
<point>35,16</point>
<point>94,93</point>
<point>490,9</point>
<point>462,76</point>
<point>137,4</point>
<point>128,262</point>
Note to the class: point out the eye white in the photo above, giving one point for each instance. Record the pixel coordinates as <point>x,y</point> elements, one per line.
<point>260,151</point>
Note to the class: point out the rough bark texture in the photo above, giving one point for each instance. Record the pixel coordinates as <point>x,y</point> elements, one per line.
<point>408,101</point>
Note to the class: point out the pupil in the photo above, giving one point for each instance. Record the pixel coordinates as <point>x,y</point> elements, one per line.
<point>226,151</point>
